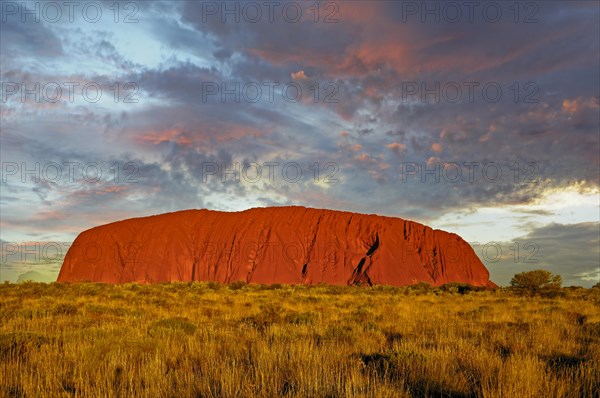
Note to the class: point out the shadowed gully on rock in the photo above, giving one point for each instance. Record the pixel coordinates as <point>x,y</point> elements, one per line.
<point>291,245</point>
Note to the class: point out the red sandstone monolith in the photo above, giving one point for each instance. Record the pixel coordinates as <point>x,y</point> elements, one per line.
<point>289,245</point>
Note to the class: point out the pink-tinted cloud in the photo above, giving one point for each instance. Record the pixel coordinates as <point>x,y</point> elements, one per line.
<point>577,105</point>
<point>51,215</point>
<point>160,137</point>
<point>206,136</point>
<point>299,75</point>
<point>433,160</point>
<point>396,147</point>
<point>363,157</point>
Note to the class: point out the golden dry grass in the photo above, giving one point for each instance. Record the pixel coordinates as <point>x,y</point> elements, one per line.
<point>209,340</point>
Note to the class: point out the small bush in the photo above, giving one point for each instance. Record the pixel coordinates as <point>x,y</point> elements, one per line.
<point>90,289</point>
<point>274,286</point>
<point>552,293</point>
<point>563,363</point>
<point>421,287</point>
<point>536,281</point>
<point>339,334</point>
<point>390,365</point>
<point>334,290</point>
<point>214,285</point>
<point>17,344</point>
<point>106,310</point>
<point>178,324</point>
<point>237,285</point>
<point>300,318</point>
<point>268,315</point>
<point>592,328</point>
<point>65,309</point>
<point>461,288</point>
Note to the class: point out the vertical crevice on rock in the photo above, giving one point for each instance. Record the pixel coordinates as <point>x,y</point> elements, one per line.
<point>313,242</point>
<point>119,258</point>
<point>360,274</point>
<point>346,234</point>
<point>194,269</point>
<point>304,270</point>
<point>260,251</point>
<point>195,258</point>
<point>229,262</point>
<point>435,272</point>
<point>374,246</point>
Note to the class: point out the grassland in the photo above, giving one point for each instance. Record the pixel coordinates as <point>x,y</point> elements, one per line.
<point>210,340</point>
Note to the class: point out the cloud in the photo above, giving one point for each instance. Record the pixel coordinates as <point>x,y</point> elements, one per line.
<point>396,147</point>
<point>299,75</point>
<point>578,105</point>
<point>36,276</point>
<point>27,39</point>
<point>570,250</point>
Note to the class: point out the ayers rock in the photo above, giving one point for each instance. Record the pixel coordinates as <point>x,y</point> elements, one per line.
<point>290,245</point>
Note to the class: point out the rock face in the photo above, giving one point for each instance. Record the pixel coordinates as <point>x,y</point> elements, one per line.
<point>289,245</point>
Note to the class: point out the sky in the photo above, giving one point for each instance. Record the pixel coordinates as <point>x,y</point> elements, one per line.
<point>480,119</point>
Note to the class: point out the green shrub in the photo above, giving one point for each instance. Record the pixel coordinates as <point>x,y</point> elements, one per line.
<point>421,287</point>
<point>214,285</point>
<point>237,285</point>
<point>536,281</point>
<point>461,288</point>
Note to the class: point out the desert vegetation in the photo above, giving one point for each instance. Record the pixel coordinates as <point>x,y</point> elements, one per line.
<point>536,282</point>
<point>238,340</point>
